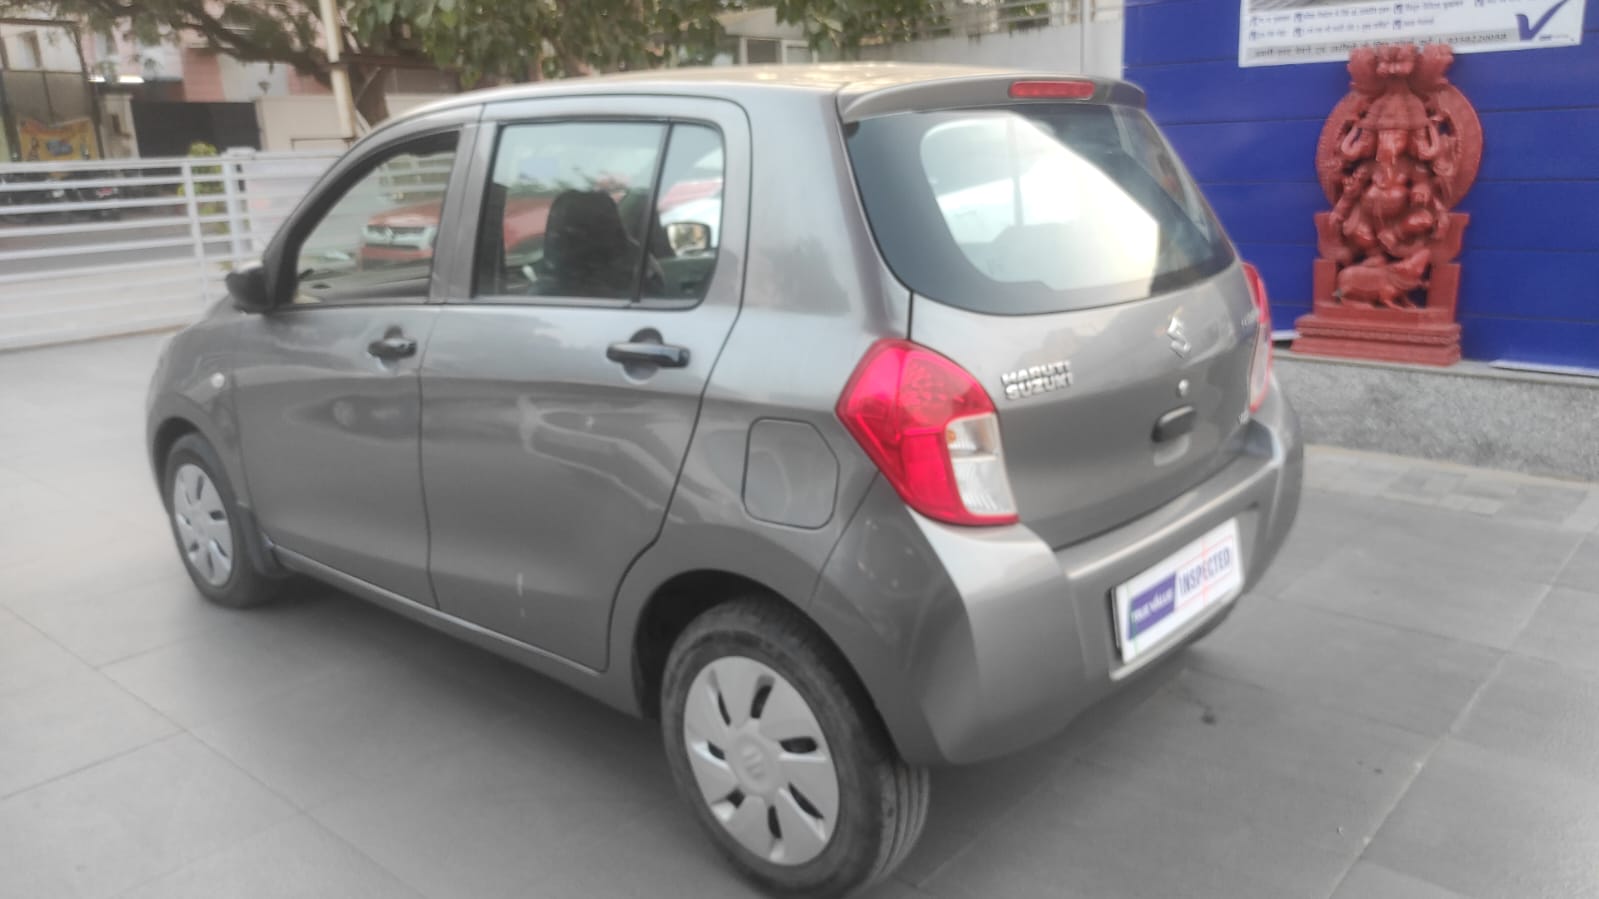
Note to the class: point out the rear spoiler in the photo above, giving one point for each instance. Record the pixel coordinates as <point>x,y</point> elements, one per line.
<point>862,101</point>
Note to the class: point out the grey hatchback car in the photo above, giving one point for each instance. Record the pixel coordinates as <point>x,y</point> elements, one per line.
<point>849,419</point>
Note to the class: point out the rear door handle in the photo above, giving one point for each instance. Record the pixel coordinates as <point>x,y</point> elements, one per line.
<point>394,346</point>
<point>1175,424</point>
<point>660,355</point>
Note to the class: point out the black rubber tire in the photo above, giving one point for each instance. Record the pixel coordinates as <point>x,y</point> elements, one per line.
<point>883,801</point>
<point>246,586</point>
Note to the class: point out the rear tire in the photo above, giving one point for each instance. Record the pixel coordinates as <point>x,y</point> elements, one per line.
<point>203,512</point>
<point>809,722</point>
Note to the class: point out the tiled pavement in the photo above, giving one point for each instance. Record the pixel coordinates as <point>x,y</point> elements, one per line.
<point>1408,707</point>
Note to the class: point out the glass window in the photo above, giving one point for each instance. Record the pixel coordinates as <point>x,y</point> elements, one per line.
<point>567,210</point>
<point>1033,207</point>
<point>688,216</point>
<point>375,245</point>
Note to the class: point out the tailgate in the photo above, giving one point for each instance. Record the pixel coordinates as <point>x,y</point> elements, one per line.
<point>1084,456</point>
<point>1059,252</point>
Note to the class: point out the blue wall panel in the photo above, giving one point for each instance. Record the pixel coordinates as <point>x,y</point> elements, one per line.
<point>1530,287</point>
<point>1534,215</point>
<point>1558,287</point>
<point>1248,151</point>
<point>1283,266</point>
<point>1552,144</point>
<point>1525,340</point>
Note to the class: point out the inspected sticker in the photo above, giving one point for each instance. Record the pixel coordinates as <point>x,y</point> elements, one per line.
<point>1158,602</point>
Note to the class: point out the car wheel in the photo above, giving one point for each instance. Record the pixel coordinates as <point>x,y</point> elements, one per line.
<point>778,750</point>
<point>207,527</point>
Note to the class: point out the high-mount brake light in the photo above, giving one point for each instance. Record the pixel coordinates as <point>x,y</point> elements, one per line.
<point>1051,90</point>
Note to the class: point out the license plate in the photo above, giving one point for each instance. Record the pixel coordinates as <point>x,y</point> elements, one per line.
<point>1158,602</point>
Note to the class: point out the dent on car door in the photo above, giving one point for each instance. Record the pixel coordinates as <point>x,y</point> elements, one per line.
<point>326,382</point>
<point>561,393</point>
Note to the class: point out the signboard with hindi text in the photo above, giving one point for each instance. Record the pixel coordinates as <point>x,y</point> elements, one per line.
<point>1284,32</point>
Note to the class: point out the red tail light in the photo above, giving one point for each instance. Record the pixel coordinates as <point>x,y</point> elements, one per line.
<point>1051,90</point>
<point>932,431</point>
<point>1260,364</point>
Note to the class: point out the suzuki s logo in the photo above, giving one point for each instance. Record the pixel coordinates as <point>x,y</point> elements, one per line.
<point>1179,337</point>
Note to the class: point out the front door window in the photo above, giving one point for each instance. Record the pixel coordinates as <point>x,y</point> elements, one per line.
<point>376,242</point>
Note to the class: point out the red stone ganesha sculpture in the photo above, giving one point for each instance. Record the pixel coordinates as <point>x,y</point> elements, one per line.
<point>1397,153</point>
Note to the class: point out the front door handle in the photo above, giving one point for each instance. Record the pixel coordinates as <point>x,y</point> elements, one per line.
<point>394,346</point>
<point>660,355</point>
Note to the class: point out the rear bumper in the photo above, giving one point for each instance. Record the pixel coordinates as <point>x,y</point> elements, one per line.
<point>974,643</point>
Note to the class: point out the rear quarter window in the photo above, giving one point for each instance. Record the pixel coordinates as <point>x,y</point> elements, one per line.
<point>1033,208</point>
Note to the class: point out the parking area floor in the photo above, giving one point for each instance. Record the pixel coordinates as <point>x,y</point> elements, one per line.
<point>1407,707</point>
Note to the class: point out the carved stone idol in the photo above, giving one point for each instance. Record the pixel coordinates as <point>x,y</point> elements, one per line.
<point>1396,155</point>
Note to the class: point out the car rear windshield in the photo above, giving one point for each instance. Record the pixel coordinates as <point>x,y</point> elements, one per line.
<point>1033,208</point>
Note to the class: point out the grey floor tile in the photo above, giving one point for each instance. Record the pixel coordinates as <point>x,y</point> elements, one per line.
<point>546,807</point>
<point>1565,629</point>
<point>62,725</point>
<point>1368,581</point>
<point>342,733</point>
<point>1483,823</point>
<point>1440,539</point>
<point>103,628</point>
<point>1099,833</point>
<point>1373,670</point>
<point>114,825</point>
<point>894,889</point>
<point>298,859</point>
<point>1582,569</point>
<point>1213,788</point>
<point>224,671</point>
<point>969,800</point>
<point>64,573</point>
<point>10,478</point>
<point>1372,881</point>
<point>30,659</point>
<point>1324,523</point>
<point>40,521</point>
<point>1250,759</point>
<point>1542,711</point>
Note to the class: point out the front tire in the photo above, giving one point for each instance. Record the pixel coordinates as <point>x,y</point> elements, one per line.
<point>208,527</point>
<point>777,748</point>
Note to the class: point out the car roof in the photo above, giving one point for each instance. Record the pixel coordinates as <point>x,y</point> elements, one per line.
<point>847,81</point>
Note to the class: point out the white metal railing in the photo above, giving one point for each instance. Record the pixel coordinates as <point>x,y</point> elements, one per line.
<point>101,247</point>
<point>971,18</point>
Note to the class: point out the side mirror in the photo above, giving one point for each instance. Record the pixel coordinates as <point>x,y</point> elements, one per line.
<point>248,288</point>
<point>689,237</point>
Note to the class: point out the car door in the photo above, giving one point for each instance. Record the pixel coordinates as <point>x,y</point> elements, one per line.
<point>561,384</point>
<point>326,383</point>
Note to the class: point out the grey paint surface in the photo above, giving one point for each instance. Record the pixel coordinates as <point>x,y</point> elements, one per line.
<point>790,476</point>
<point>555,492</point>
<point>328,437</point>
<point>548,466</point>
<point>502,783</point>
<point>1080,457</point>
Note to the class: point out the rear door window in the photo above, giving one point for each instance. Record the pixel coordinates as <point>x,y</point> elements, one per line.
<point>567,210</point>
<point>1033,208</point>
<point>594,210</point>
